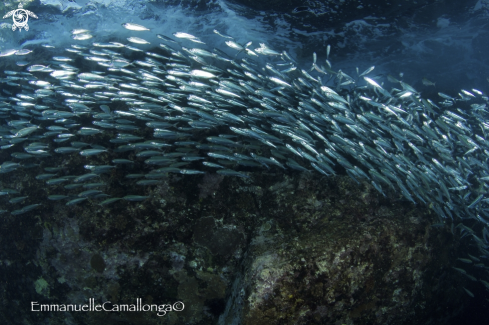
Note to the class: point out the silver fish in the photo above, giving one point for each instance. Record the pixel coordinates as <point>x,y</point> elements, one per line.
<point>135,27</point>
<point>137,40</point>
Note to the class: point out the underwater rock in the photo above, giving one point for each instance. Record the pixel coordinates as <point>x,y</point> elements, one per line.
<point>97,262</point>
<point>293,248</point>
<point>220,241</point>
<point>340,255</point>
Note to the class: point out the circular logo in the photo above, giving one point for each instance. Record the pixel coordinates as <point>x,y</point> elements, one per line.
<point>178,306</point>
<point>20,17</point>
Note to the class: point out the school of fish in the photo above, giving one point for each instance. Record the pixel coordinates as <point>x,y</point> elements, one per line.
<point>184,108</point>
